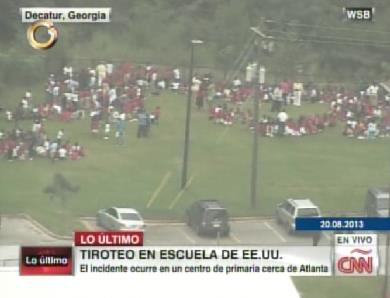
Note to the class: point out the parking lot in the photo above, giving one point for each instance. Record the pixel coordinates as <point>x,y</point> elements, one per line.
<point>243,232</point>
<point>19,231</point>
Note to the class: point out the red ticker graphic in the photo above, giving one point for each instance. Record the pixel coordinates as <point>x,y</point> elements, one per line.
<point>46,260</point>
<point>109,238</point>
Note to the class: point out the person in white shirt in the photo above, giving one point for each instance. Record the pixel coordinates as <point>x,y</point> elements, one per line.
<point>92,82</point>
<point>248,73</point>
<point>313,95</point>
<point>110,68</point>
<point>372,130</point>
<point>195,84</point>
<point>24,103</point>
<point>62,153</point>
<point>60,135</point>
<point>298,90</point>
<point>40,150</point>
<point>101,70</point>
<point>236,83</point>
<point>107,129</point>
<point>51,80</point>
<point>176,74</point>
<point>372,92</point>
<point>15,152</point>
<point>138,92</point>
<point>8,115</point>
<point>46,145</point>
<point>112,95</point>
<point>282,119</point>
<point>161,84</point>
<point>36,126</point>
<point>53,150</point>
<point>72,85</point>
<point>57,109</point>
<point>154,78</point>
<point>175,86</point>
<point>28,95</point>
<point>277,98</point>
<point>56,91</point>
<point>372,89</point>
<point>68,71</point>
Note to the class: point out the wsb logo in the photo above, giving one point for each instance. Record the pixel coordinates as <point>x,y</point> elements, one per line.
<point>359,13</point>
<point>356,264</point>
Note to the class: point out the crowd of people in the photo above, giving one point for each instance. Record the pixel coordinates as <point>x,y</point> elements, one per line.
<point>112,96</point>
<point>364,113</point>
<point>18,144</point>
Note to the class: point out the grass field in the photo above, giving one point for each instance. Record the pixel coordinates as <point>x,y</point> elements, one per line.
<point>342,287</point>
<point>333,171</point>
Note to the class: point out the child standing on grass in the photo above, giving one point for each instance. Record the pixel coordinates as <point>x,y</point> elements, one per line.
<point>107,128</point>
<point>60,136</point>
<point>120,129</point>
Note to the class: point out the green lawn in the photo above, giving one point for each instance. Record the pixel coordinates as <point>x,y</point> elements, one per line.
<point>341,287</point>
<point>332,170</point>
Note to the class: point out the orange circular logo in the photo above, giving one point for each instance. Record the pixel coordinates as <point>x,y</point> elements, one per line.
<point>34,27</point>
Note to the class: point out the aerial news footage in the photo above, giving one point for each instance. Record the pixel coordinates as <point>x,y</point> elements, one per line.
<point>195,148</point>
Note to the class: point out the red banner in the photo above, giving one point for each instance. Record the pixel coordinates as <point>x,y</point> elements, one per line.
<point>109,238</point>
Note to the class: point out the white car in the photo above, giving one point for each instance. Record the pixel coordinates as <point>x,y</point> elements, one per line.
<point>290,209</point>
<point>120,219</point>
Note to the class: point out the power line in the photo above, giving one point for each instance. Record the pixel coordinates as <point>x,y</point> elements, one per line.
<point>333,42</point>
<point>328,27</point>
<point>333,38</point>
<point>242,58</point>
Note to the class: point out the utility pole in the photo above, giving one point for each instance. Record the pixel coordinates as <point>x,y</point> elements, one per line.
<point>255,147</point>
<point>259,82</point>
<point>188,116</point>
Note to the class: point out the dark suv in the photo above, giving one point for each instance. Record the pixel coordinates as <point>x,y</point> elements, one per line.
<point>377,202</point>
<point>208,217</point>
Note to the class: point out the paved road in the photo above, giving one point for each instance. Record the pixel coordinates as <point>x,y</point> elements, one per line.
<point>19,231</point>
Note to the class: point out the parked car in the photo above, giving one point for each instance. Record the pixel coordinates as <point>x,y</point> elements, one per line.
<point>377,202</point>
<point>290,209</point>
<point>120,219</point>
<point>208,217</point>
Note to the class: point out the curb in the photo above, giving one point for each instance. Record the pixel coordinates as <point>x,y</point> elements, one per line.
<point>39,226</point>
<point>155,222</point>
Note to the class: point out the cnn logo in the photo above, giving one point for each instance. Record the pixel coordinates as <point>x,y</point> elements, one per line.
<point>362,264</point>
